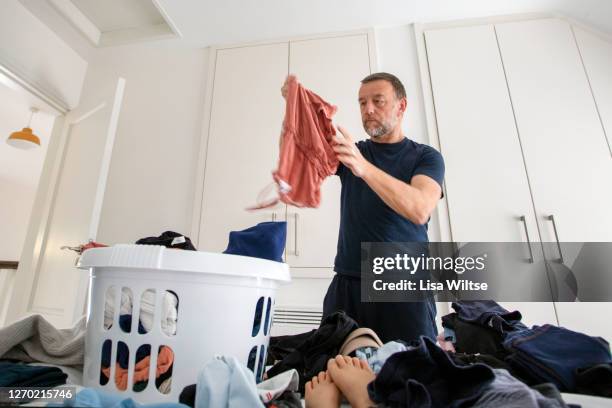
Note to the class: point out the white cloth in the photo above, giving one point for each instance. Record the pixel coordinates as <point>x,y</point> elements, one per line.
<point>223,383</point>
<point>169,310</point>
<point>274,387</point>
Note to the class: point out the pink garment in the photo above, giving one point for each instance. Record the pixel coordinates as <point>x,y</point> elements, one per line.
<point>306,154</point>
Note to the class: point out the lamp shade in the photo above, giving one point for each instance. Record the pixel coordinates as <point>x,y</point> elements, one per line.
<point>23,139</point>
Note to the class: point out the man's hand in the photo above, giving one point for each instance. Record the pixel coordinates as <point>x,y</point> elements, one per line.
<point>349,154</point>
<point>285,88</point>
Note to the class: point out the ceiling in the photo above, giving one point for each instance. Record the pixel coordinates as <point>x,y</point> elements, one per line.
<point>203,23</point>
<point>113,15</point>
<point>93,23</point>
<point>21,167</point>
<point>232,21</point>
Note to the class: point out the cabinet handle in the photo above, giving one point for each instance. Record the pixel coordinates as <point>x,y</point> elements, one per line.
<point>295,236</point>
<point>528,240</point>
<point>274,216</point>
<point>552,218</point>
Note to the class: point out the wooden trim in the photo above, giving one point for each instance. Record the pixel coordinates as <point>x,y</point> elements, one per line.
<point>9,265</point>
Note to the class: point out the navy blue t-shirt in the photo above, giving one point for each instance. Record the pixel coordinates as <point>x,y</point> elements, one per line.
<point>364,216</point>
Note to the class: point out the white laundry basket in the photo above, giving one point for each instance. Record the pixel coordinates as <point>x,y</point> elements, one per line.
<point>225,307</point>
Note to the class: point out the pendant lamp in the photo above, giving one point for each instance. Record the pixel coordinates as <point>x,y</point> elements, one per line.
<point>24,139</point>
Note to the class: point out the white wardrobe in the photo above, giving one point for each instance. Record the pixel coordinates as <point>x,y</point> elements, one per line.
<point>523,112</point>
<point>244,113</point>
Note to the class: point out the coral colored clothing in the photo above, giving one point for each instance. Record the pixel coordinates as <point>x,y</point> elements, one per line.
<point>306,154</point>
<point>165,359</point>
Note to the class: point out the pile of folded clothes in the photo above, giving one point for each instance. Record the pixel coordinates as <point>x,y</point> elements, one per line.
<point>484,332</point>
<point>573,361</point>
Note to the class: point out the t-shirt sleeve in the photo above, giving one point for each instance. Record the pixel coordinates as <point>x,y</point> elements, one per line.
<point>340,170</point>
<point>431,164</point>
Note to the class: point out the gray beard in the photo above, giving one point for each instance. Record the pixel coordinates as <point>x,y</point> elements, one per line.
<point>377,132</point>
<point>380,131</point>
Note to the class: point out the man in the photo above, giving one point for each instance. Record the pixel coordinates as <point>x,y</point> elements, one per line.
<point>390,187</point>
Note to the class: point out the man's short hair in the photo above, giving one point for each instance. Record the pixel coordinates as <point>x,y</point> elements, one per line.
<point>398,87</point>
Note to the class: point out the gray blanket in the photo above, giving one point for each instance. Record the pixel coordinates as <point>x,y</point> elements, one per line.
<point>34,339</point>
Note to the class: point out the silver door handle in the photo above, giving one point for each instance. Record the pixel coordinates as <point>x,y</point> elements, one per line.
<point>552,218</point>
<point>295,236</point>
<point>522,218</point>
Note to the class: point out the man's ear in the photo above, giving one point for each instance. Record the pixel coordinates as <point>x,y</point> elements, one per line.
<point>403,104</point>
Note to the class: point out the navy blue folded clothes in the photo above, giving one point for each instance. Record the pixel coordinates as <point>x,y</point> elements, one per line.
<point>169,239</point>
<point>425,377</point>
<point>24,375</point>
<point>311,356</point>
<point>488,313</point>
<point>265,240</point>
<point>553,354</point>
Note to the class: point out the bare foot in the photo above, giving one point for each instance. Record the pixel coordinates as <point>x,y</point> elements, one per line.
<point>352,377</point>
<point>321,392</point>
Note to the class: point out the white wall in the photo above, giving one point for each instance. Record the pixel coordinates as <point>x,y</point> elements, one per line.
<point>30,48</point>
<point>15,206</point>
<point>151,182</point>
<point>396,49</point>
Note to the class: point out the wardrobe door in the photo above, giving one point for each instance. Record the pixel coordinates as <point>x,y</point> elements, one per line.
<point>567,157</point>
<point>486,184</point>
<point>566,151</point>
<point>596,53</point>
<point>597,58</point>
<point>246,115</point>
<point>487,187</point>
<point>332,68</point>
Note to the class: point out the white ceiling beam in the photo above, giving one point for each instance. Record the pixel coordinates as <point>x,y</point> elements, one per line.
<point>78,20</point>
<point>167,18</point>
<point>130,35</point>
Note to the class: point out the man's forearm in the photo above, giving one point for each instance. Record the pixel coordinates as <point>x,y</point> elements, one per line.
<point>404,199</point>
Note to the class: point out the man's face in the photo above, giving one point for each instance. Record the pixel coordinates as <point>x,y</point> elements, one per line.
<point>381,110</point>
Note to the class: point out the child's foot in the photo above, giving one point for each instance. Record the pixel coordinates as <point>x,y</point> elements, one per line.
<point>352,377</point>
<point>321,392</point>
